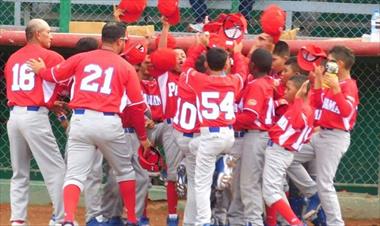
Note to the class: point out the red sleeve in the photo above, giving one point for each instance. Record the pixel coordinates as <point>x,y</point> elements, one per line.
<point>298,121</point>
<point>254,98</point>
<point>61,71</point>
<point>53,59</point>
<point>240,67</point>
<point>344,105</point>
<point>138,120</point>
<point>244,119</point>
<point>137,106</point>
<point>316,98</point>
<point>192,55</point>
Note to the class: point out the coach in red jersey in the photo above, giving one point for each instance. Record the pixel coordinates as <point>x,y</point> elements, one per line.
<point>28,127</point>
<point>103,82</point>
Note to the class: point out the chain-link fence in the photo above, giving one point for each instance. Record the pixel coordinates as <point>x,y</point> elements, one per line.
<point>323,18</point>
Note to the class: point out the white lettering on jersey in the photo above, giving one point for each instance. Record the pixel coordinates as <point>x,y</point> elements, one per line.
<point>23,78</point>
<point>172,89</point>
<point>330,105</point>
<point>213,109</point>
<point>152,100</point>
<point>184,112</point>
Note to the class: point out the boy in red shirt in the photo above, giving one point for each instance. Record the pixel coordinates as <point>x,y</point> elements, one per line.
<point>286,136</point>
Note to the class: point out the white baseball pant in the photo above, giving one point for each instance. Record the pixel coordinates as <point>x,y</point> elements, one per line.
<point>252,165</point>
<point>212,142</point>
<point>30,135</point>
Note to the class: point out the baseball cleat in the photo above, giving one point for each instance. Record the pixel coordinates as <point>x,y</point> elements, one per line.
<point>181,183</point>
<point>144,221</point>
<point>314,204</point>
<point>68,224</point>
<point>223,171</point>
<point>172,221</point>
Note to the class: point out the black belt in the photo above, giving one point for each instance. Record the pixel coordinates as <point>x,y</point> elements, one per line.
<point>168,121</point>
<point>239,134</point>
<point>29,108</point>
<point>81,111</point>
<point>324,128</point>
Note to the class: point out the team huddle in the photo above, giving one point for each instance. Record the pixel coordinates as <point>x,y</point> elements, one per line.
<point>238,131</point>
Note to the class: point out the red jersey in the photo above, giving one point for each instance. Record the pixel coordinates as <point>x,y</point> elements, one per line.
<point>102,81</point>
<point>215,95</point>
<point>258,103</point>
<point>338,111</point>
<point>152,96</point>
<point>100,85</point>
<point>295,127</point>
<point>128,114</point>
<point>186,119</point>
<point>23,87</point>
<point>169,93</point>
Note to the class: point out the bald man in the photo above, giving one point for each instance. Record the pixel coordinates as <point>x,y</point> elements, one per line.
<point>29,130</point>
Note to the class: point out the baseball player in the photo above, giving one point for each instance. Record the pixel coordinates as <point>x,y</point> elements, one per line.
<point>186,128</point>
<point>338,104</point>
<point>112,206</point>
<point>92,188</point>
<point>215,95</point>
<point>286,136</point>
<point>29,130</point>
<point>167,80</point>
<point>256,118</point>
<point>102,79</point>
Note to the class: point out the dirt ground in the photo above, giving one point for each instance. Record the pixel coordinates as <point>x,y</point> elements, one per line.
<point>39,215</point>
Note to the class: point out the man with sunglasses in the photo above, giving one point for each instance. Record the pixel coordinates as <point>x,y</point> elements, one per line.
<point>103,84</point>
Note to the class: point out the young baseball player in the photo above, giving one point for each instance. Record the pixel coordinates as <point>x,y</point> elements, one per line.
<point>167,81</point>
<point>256,118</point>
<point>215,95</point>
<point>281,54</point>
<point>29,130</point>
<point>186,128</point>
<point>102,78</point>
<point>286,136</point>
<point>338,103</point>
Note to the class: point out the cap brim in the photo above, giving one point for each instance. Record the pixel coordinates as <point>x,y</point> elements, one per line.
<point>308,65</point>
<point>130,17</point>
<point>175,18</point>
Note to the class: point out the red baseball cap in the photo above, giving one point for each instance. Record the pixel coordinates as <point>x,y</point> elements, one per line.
<point>135,53</point>
<point>132,10</point>
<point>273,21</point>
<point>234,27</point>
<point>171,42</point>
<point>162,60</point>
<point>212,27</point>
<point>309,55</point>
<point>169,9</point>
<point>217,40</point>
